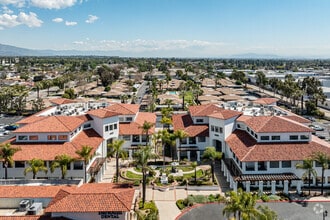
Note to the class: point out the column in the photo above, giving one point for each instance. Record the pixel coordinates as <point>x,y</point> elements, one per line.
<point>273,187</point>
<point>224,171</point>
<point>188,155</point>
<point>228,175</point>
<point>222,165</point>
<point>247,186</point>
<point>235,186</point>
<point>261,186</point>
<point>286,187</point>
<point>198,156</point>
<point>231,182</point>
<point>178,155</point>
<point>130,154</point>
<point>299,186</point>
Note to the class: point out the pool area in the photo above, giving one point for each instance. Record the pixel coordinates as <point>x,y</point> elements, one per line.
<point>172,92</point>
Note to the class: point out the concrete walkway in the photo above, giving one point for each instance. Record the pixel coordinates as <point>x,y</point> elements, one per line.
<point>110,172</point>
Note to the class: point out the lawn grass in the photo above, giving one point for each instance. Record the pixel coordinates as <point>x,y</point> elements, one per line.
<point>199,173</point>
<point>131,175</point>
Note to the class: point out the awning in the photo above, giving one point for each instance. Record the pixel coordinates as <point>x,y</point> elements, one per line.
<point>266,177</point>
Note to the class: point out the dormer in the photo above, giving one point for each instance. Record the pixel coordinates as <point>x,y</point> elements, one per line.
<point>274,129</point>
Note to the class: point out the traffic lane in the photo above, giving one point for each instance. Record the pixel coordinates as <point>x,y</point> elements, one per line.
<point>7,121</point>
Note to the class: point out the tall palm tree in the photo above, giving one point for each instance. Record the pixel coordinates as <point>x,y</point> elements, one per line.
<point>308,166</point>
<point>6,153</point>
<point>233,204</point>
<point>35,166</point>
<point>61,161</point>
<point>117,148</point>
<point>211,155</point>
<point>194,166</point>
<point>85,153</point>
<point>322,159</point>
<point>145,129</point>
<point>141,159</point>
<point>180,134</point>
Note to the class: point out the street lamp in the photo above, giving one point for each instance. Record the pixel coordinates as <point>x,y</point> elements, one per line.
<point>325,214</point>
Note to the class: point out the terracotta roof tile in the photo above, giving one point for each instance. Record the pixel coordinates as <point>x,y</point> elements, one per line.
<point>297,118</point>
<point>134,128</point>
<point>61,101</point>
<point>48,151</point>
<point>98,197</point>
<point>30,191</point>
<point>265,101</point>
<point>273,124</point>
<point>124,109</point>
<point>212,110</point>
<point>184,122</point>
<point>225,114</point>
<point>58,124</point>
<point>247,149</point>
<point>31,119</point>
<point>103,113</point>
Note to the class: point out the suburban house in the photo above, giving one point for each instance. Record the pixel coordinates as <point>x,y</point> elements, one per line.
<point>69,125</point>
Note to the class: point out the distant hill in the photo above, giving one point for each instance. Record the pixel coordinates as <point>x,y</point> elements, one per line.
<point>6,50</point>
<point>256,56</point>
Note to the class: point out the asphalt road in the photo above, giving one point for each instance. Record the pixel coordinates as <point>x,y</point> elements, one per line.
<point>7,121</point>
<point>284,210</point>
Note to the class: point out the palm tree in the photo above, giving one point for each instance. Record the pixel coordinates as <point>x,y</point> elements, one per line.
<point>180,134</point>
<point>322,159</point>
<point>61,161</point>
<point>211,155</point>
<point>85,153</point>
<point>6,153</point>
<point>145,129</point>
<point>308,166</point>
<point>36,165</point>
<point>266,213</point>
<point>116,148</point>
<point>194,166</point>
<point>141,159</point>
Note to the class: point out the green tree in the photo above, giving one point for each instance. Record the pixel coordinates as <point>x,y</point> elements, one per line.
<point>61,161</point>
<point>6,153</point>
<point>117,148</point>
<point>261,80</point>
<point>145,129</point>
<point>307,165</point>
<point>35,166</point>
<point>266,213</point>
<point>323,160</point>
<point>85,153</point>
<point>180,134</point>
<point>210,154</point>
<point>194,166</point>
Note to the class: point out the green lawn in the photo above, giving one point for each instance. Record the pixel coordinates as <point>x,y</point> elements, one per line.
<point>131,175</point>
<point>192,175</point>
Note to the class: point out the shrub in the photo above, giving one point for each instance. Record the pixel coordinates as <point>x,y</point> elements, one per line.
<point>264,198</point>
<point>180,204</point>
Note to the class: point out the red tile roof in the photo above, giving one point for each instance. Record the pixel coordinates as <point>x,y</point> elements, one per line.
<point>48,151</point>
<point>134,128</point>
<point>297,118</point>
<point>103,113</point>
<point>124,109</point>
<point>31,191</point>
<point>31,119</point>
<point>265,101</point>
<point>247,149</point>
<point>61,101</point>
<point>95,197</point>
<point>272,124</point>
<point>213,111</point>
<point>184,122</point>
<point>58,124</point>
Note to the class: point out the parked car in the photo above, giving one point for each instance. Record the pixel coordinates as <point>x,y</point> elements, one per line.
<point>11,127</point>
<point>321,136</point>
<point>316,127</point>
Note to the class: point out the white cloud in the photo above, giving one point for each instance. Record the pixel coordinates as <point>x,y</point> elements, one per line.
<point>6,10</point>
<point>53,4</point>
<point>70,23</point>
<point>58,20</point>
<point>30,20</point>
<point>78,42</point>
<point>17,3</point>
<point>91,19</point>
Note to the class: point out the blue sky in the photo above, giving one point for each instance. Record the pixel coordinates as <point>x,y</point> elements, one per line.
<point>176,28</point>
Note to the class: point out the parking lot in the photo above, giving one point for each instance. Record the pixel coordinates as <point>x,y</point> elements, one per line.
<point>8,120</point>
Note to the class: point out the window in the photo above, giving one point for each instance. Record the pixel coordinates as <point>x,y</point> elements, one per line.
<point>264,138</point>
<point>274,164</point>
<point>220,130</point>
<point>248,129</point>
<point>216,129</point>
<point>78,165</point>
<point>184,141</point>
<point>33,137</point>
<point>115,126</point>
<point>238,126</point>
<point>256,136</point>
<point>304,137</point>
<point>106,128</point>
<point>317,164</point>
<point>51,137</point>
<point>199,120</point>
<point>110,127</point>
<point>129,119</point>
<point>192,140</point>
<point>22,138</point>
<point>136,138</point>
<point>127,137</point>
<point>249,166</point>
<point>293,137</point>
<point>212,127</point>
<point>286,164</point>
<point>121,119</point>
<point>201,139</point>
<point>144,138</point>
<point>69,166</point>
<point>276,138</point>
<point>63,137</point>
<point>19,164</point>
<point>252,132</point>
<point>87,125</point>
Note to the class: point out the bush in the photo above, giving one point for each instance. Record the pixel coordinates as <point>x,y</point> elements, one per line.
<point>107,88</point>
<point>180,204</point>
<point>264,198</point>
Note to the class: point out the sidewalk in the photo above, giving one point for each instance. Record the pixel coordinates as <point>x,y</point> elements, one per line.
<point>110,172</point>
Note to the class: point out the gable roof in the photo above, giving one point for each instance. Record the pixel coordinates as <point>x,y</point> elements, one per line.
<point>212,110</point>
<point>247,149</point>
<point>134,128</point>
<point>48,151</point>
<point>265,101</point>
<point>61,101</point>
<point>103,113</point>
<point>52,124</point>
<point>273,124</point>
<point>185,123</point>
<point>93,197</point>
<point>124,109</point>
